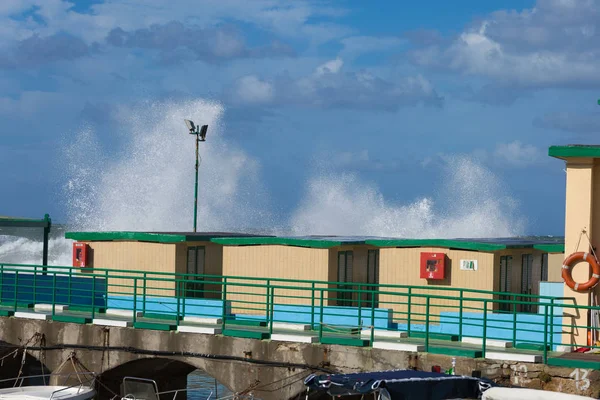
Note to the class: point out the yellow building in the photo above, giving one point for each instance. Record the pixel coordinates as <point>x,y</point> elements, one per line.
<point>507,265</point>
<point>156,252</point>
<point>582,220</point>
<point>500,265</point>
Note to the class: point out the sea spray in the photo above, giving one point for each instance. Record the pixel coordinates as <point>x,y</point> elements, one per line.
<point>146,184</point>
<point>469,203</point>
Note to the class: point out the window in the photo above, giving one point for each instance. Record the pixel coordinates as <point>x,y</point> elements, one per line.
<point>544,274</point>
<point>195,265</point>
<point>372,277</point>
<point>505,280</point>
<point>345,259</point>
<point>526,280</point>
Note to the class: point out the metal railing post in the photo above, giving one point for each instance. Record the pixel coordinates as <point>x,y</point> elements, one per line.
<point>69,288</point>
<point>546,333</point>
<point>409,311</point>
<point>372,318</point>
<point>360,305</point>
<point>312,307</point>
<point>178,297</point>
<point>34,287</point>
<point>93,296</point>
<point>144,294</point>
<point>53,294</point>
<point>268,305</point>
<point>427,323</point>
<point>551,324</point>
<point>484,328</point>
<point>1,283</point>
<point>224,311</point>
<point>16,287</point>
<point>514,309</point>
<point>135,286</point>
<point>321,317</point>
<point>271,311</point>
<point>460,316</point>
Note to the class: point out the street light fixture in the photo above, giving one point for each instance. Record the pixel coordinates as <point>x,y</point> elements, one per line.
<point>200,133</point>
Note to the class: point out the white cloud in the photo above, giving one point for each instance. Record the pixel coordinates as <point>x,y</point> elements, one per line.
<point>330,67</point>
<point>517,154</point>
<point>277,16</point>
<point>330,86</point>
<point>250,89</point>
<point>553,44</point>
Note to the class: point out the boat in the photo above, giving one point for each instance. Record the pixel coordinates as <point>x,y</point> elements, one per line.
<point>48,392</point>
<point>399,384</point>
<point>82,390</point>
<point>133,388</point>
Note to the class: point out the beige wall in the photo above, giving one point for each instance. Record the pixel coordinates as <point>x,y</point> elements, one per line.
<point>401,266</point>
<point>153,257</point>
<point>555,262</point>
<point>135,256</point>
<point>273,261</point>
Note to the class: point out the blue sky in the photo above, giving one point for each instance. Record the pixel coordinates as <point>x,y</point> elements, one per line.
<point>386,91</point>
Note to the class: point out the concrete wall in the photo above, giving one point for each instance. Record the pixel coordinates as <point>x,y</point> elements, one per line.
<point>239,375</point>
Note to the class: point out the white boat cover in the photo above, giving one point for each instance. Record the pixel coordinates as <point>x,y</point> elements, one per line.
<point>502,393</point>
<point>47,392</point>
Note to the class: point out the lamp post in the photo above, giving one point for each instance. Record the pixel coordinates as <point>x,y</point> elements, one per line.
<point>200,133</point>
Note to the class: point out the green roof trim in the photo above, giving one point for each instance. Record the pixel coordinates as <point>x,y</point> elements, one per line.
<point>133,236</point>
<point>456,244</point>
<point>26,222</point>
<point>550,248</point>
<point>574,150</point>
<point>313,243</point>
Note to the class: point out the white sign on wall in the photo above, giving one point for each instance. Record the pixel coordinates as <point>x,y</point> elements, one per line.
<point>468,265</point>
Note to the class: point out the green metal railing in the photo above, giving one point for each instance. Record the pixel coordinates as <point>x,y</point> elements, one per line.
<point>432,316</point>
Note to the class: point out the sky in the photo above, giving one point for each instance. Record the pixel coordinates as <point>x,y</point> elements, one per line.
<point>386,91</point>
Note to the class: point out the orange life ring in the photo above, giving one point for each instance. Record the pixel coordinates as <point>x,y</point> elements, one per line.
<point>576,258</point>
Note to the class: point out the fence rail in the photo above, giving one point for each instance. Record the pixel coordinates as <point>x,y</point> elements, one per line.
<point>334,312</point>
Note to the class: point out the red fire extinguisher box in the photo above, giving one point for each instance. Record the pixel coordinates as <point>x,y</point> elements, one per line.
<point>433,265</point>
<point>81,252</point>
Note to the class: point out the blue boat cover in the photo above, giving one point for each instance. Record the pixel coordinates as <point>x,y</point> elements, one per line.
<point>401,385</point>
